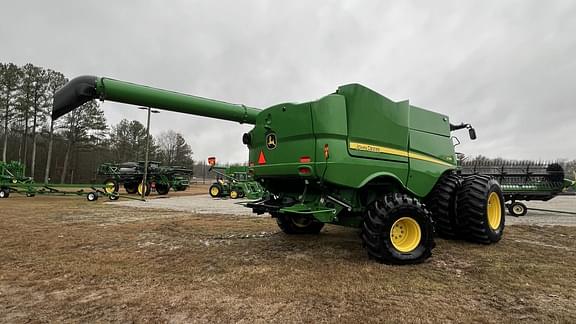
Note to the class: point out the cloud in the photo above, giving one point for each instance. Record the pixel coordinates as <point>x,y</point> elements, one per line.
<point>508,67</point>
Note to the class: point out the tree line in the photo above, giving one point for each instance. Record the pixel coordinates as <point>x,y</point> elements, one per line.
<point>70,149</point>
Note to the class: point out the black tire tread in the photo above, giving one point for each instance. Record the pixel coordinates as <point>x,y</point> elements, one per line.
<point>374,234</point>
<point>472,202</point>
<point>287,226</point>
<point>441,202</point>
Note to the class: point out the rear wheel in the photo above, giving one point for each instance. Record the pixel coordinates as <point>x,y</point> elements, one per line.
<point>111,186</point>
<point>397,229</point>
<point>481,209</point>
<point>131,187</point>
<point>442,204</point>
<point>215,190</point>
<point>162,189</point>
<point>142,187</point>
<point>298,224</point>
<point>517,209</point>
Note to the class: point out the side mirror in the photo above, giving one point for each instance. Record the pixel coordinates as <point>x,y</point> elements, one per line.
<point>472,133</point>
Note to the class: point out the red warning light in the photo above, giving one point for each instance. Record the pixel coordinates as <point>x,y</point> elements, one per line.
<point>261,158</point>
<point>212,160</point>
<point>305,159</point>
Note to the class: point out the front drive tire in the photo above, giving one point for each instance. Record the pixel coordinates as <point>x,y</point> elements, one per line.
<point>397,229</point>
<point>442,204</point>
<point>296,224</point>
<point>481,209</point>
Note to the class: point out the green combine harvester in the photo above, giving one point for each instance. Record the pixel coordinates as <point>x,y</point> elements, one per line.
<point>352,158</point>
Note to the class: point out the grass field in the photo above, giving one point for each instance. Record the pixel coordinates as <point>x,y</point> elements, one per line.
<point>64,259</point>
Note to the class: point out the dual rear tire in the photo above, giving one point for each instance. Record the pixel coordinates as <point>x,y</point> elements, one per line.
<point>470,208</point>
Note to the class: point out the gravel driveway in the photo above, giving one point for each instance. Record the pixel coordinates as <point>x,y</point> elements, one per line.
<point>204,204</point>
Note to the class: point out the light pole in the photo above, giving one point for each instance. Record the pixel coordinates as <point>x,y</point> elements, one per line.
<point>144,184</point>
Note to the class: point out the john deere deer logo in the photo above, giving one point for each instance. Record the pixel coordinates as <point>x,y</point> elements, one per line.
<point>271,141</point>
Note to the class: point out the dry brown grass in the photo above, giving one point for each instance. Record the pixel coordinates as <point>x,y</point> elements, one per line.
<point>64,259</point>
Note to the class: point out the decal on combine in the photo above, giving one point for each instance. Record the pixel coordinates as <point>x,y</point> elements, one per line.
<point>271,141</point>
<point>391,151</point>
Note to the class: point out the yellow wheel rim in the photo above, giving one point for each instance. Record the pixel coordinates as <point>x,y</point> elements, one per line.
<point>141,188</point>
<point>494,211</point>
<point>109,187</point>
<point>233,194</point>
<point>405,234</point>
<point>214,191</point>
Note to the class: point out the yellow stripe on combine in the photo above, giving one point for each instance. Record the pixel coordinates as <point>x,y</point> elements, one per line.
<point>391,151</point>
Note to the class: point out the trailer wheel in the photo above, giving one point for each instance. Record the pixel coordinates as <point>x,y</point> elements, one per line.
<point>162,189</point>
<point>131,187</point>
<point>517,209</point>
<point>111,186</point>
<point>92,196</point>
<point>297,224</point>
<point>215,190</point>
<point>234,194</point>
<point>441,202</point>
<point>4,193</point>
<point>481,209</point>
<point>114,197</point>
<point>241,194</point>
<point>142,187</point>
<point>397,229</point>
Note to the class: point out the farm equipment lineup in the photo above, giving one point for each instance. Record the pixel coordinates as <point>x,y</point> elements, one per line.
<point>234,182</point>
<point>523,181</point>
<point>12,180</point>
<point>131,176</point>
<point>352,158</point>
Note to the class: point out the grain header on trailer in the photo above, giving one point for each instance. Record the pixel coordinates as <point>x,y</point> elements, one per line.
<point>352,158</point>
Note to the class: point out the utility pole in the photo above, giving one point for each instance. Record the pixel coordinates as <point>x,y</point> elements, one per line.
<point>145,178</point>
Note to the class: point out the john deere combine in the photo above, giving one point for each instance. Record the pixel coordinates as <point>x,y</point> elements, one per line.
<point>352,158</point>
<point>522,181</point>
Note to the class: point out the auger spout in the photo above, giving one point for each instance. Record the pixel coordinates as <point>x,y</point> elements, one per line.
<point>85,88</point>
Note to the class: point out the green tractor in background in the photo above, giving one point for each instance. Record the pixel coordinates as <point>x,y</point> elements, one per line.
<point>353,158</point>
<point>234,182</point>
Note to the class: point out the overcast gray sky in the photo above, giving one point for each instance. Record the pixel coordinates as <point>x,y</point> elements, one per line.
<point>507,67</point>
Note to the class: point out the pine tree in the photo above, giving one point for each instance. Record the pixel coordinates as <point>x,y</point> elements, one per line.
<point>85,125</point>
<point>10,79</point>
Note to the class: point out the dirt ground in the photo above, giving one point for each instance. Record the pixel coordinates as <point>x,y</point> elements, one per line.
<point>63,259</point>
